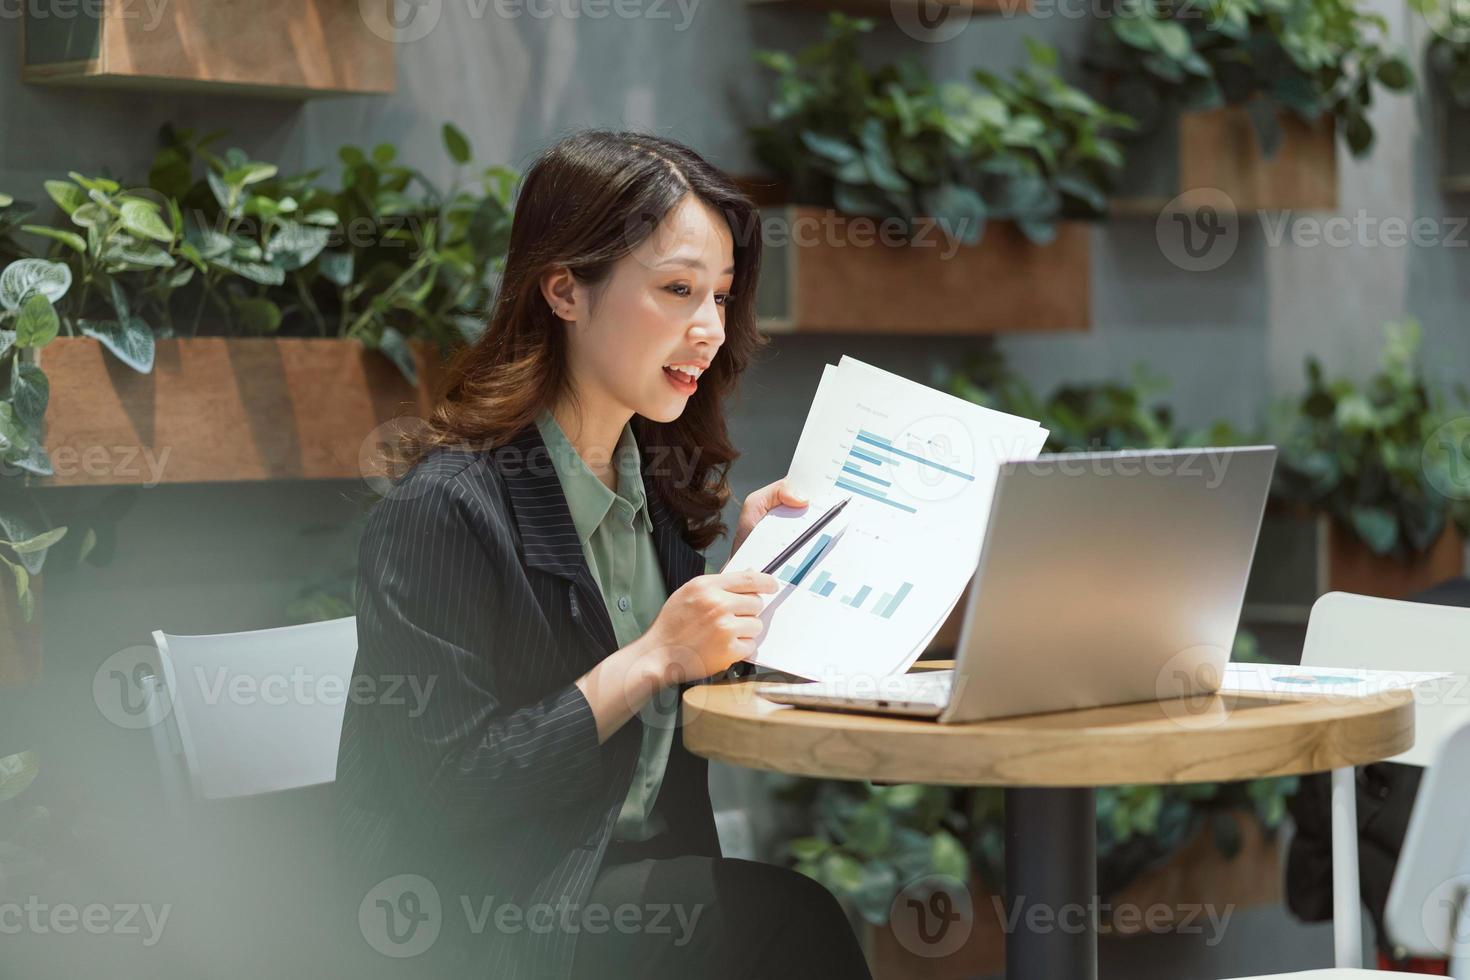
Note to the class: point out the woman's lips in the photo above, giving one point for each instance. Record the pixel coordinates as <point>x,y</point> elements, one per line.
<point>682,383</point>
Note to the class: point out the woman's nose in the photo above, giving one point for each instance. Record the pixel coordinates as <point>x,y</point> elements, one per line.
<point>708,325</point>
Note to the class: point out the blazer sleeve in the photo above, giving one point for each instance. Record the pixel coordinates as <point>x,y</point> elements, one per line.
<point>436,609</point>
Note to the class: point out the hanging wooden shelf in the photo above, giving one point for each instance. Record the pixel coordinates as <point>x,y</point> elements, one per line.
<point>823,272</point>
<point>1205,154</point>
<point>218,409</point>
<point>285,48</point>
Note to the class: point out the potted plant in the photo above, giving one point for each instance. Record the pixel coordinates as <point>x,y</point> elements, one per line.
<point>1374,475</point>
<point>955,184</point>
<point>221,321</point>
<point>1244,96</point>
<point>225,247</point>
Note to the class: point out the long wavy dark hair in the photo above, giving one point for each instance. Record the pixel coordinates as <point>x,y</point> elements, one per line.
<point>585,203</point>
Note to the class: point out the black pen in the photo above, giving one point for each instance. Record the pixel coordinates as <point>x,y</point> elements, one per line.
<point>745,668</point>
<point>805,536</point>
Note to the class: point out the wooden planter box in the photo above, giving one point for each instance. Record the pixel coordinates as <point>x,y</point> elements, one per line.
<point>20,641</point>
<point>291,48</point>
<point>826,272</point>
<point>1197,875</point>
<point>1301,556</point>
<point>1198,154</point>
<point>223,409</point>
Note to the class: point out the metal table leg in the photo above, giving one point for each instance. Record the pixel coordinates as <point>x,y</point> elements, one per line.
<point>1051,884</point>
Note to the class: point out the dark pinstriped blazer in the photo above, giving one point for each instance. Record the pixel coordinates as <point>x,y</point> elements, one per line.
<point>471,578</point>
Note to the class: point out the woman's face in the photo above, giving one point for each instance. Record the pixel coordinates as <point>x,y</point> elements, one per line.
<point>659,319</point>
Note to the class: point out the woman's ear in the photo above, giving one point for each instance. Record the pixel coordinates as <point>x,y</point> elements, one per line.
<point>559,289</point>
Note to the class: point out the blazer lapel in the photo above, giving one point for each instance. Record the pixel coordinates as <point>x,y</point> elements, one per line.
<point>549,538</point>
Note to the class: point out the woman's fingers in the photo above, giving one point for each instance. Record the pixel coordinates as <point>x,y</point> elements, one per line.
<point>747,580</point>
<point>786,495</point>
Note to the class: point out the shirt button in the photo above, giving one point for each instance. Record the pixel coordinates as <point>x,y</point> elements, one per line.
<point>623,603</point>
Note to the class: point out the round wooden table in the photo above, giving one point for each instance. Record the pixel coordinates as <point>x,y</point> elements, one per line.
<point>1049,766</point>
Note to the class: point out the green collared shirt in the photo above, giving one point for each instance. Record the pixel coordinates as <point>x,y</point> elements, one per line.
<point>616,534</point>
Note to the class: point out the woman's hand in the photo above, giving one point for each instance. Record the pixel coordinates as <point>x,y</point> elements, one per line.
<point>709,623</point>
<point>759,504</point>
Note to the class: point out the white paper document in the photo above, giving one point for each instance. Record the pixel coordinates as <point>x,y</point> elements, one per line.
<point>1344,682</point>
<point>919,466</point>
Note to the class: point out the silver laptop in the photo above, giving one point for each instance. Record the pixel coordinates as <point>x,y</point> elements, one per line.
<point>1104,578</point>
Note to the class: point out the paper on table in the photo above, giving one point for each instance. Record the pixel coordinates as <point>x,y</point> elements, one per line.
<point>1345,682</point>
<point>1439,696</point>
<point>920,467</point>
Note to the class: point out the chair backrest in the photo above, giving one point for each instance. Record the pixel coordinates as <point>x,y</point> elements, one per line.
<point>259,711</point>
<point>1347,630</point>
<point>1427,900</point>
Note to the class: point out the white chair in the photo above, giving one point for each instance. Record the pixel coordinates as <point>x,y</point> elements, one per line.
<point>1347,630</point>
<point>1428,908</point>
<point>253,712</point>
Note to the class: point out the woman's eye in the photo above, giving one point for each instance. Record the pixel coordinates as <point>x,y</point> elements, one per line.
<point>682,289</point>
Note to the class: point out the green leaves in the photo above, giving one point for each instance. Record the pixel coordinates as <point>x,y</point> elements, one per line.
<point>1368,454</point>
<point>17,772</point>
<point>37,323</point>
<point>456,144</point>
<point>226,243</point>
<point>130,340</point>
<point>30,392</point>
<point>141,218</point>
<point>1310,57</point>
<point>889,142</point>
<point>25,277</point>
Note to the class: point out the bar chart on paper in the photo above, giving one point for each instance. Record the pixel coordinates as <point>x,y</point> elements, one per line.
<point>902,474</point>
<point>824,585</point>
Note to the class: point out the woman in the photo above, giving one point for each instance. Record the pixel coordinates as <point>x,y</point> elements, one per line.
<point>534,574</point>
